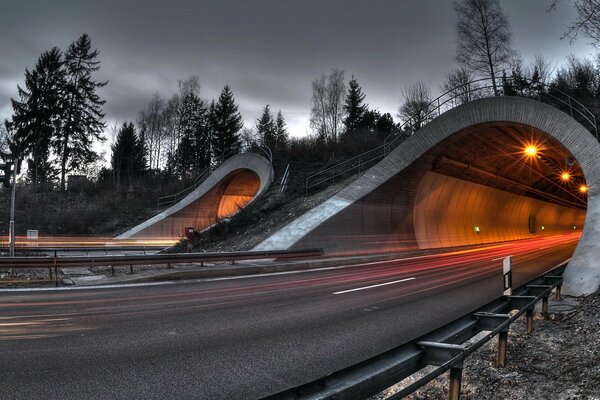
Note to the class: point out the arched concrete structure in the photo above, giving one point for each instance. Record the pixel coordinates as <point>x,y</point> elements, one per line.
<point>363,218</point>
<point>237,182</point>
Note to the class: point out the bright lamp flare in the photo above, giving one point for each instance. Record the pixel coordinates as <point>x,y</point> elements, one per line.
<point>531,151</point>
<point>565,176</point>
<point>583,188</point>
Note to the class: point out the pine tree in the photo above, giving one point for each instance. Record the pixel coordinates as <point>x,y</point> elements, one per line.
<point>265,127</point>
<point>127,161</point>
<point>281,133</point>
<point>354,107</point>
<point>193,152</point>
<point>226,123</point>
<point>37,116</point>
<point>82,108</point>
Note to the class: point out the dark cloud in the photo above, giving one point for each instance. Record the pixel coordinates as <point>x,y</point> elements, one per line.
<point>267,51</point>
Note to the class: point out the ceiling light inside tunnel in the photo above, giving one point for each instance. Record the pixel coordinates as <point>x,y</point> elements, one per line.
<point>583,188</point>
<point>531,150</point>
<point>565,176</point>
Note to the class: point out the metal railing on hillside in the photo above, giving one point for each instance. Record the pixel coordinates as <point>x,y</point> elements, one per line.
<point>461,94</point>
<point>169,200</point>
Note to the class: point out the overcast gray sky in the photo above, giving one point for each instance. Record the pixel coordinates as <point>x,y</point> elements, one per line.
<point>268,51</point>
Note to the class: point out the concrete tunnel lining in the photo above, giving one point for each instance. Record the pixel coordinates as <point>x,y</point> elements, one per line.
<point>236,183</point>
<point>582,276</point>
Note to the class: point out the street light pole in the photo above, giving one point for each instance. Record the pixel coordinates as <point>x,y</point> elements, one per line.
<point>11,227</point>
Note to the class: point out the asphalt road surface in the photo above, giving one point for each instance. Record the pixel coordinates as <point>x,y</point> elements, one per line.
<point>245,337</point>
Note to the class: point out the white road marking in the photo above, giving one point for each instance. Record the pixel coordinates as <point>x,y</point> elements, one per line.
<point>374,286</point>
<point>499,258</point>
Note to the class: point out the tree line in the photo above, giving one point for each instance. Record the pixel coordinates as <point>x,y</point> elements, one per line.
<point>58,114</point>
<point>58,111</point>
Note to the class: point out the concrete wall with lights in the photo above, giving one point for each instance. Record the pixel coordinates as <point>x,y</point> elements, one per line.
<point>451,212</point>
<point>372,214</point>
<point>238,181</point>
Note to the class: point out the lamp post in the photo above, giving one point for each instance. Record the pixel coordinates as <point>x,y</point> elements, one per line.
<point>11,226</point>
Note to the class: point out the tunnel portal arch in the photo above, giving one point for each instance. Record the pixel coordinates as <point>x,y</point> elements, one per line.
<point>235,184</point>
<point>583,273</point>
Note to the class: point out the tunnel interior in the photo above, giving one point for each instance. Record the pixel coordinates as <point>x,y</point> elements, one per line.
<point>487,183</point>
<point>227,197</point>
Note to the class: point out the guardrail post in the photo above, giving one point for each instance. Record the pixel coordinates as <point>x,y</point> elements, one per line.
<point>558,292</point>
<point>131,269</point>
<point>491,321</point>
<point>529,320</point>
<point>55,270</point>
<point>440,353</point>
<point>112,270</point>
<point>502,344</point>
<point>455,382</point>
<point>545,306</point>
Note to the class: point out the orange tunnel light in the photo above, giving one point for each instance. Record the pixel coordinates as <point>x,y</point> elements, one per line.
<point>531,151</point>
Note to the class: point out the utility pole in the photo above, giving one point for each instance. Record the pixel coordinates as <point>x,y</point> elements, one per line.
<point>11,227</point>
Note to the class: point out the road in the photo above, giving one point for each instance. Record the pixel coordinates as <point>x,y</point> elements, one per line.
<point>245,337</point>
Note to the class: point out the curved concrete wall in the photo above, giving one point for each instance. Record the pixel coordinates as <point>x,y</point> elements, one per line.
<point>448,210</point>
<point>364,210</point>
<point>238,181</point>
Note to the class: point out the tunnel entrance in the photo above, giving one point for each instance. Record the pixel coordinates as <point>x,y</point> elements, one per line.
<point>238,192</point>
<point>487,183</point>
<point>495,182</point>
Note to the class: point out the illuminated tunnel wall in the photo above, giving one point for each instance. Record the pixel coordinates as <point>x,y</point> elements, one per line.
<point>232,186</point>
<point>452,212</point>
<point>414,198</point>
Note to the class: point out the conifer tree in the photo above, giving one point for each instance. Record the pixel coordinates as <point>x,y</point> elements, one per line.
<point>226,123</point>
<point>265,127</point>
<point>193,152</point>
<point>36,118</point>
<point>81,108</point>
<point>281,133</point>
<point>354,107</point>
<point>127,161</point>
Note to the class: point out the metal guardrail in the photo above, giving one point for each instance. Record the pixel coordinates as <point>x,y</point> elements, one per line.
<point>99,249</point>
<point>55,262</point>
<point>476,89</point>
<point>442,348</point>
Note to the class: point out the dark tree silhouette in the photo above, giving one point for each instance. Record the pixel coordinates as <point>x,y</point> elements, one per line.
<point>127,161</point>
<point>265,127</point>
<point>193,153</point>
<point>354,107</point>
<point>81,108</point>
<point>37,118</point>
<point>226,123</point>
<point>281,133</point>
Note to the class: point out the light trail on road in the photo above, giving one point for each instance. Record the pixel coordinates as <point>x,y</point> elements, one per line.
<point>245,337</point>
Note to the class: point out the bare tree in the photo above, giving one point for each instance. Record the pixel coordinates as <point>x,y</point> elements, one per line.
<point>249,138</point>
<point>151,124</point>
<point>587,22</point>
<point>416,109</point>
<point>460,86</point>
<point>327,105</point>
<point>484,37</point>
<point>544,69</point>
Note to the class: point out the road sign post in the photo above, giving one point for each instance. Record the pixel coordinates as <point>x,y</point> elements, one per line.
<point>507,275</point>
